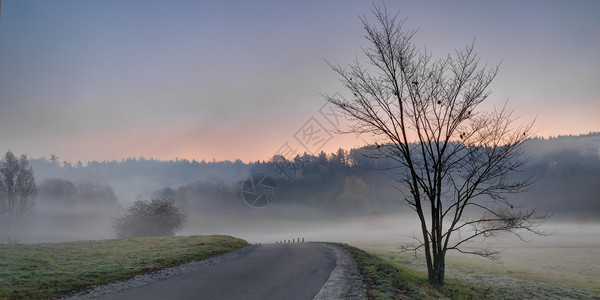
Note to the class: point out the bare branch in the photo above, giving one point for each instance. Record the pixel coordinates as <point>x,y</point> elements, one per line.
<point>423,114</point>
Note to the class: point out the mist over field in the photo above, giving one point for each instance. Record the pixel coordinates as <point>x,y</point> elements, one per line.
<point>454,146</point>
<point>343,196</point>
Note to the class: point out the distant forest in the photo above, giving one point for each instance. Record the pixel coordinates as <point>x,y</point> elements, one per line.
<point>345,183</point>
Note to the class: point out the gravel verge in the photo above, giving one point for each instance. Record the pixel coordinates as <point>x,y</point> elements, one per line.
<point>144,279</point>
<point>345,281</point>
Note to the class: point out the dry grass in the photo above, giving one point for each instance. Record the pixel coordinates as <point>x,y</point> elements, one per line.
<point>549,273</point>
<point>569,258</point>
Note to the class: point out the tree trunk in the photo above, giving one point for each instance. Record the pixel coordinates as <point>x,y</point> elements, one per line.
<point>10,221</point>
<point>430,265</point>
<point>439,269</point>
<point>428,258</point>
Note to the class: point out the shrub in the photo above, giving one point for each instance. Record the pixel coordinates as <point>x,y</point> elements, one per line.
<point>156,217</point>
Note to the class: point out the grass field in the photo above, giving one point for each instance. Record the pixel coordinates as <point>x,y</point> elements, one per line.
<point>563,265</point>
<point>390,275</point>
<point>54,269</point>
<point>387,278</point>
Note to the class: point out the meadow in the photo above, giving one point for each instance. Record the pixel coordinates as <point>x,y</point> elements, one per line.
<point>46,270</point>
<point>564,265</point>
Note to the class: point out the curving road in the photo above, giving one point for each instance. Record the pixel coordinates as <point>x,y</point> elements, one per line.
<point>273,271</point>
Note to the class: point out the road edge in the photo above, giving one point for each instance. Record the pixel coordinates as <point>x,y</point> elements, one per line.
<point>345,281</point>
<point>143,279</point>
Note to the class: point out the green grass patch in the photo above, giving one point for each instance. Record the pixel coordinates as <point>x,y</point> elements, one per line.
<point>388,277</point>
<point>383,279</point>
<point>54,269</point>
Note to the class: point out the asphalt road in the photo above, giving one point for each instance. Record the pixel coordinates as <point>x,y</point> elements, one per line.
<point>273,271</point>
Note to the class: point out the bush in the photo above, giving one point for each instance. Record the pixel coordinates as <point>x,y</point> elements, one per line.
<point>156,217</point>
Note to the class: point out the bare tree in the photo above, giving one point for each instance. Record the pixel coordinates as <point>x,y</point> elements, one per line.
<point>456,163</point>
<point>17,191</point>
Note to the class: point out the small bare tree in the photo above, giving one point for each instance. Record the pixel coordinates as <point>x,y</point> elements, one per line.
<point>457,164</point>
<point>17,191</point>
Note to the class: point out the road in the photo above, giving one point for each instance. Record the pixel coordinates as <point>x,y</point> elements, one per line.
<point>273,271</point>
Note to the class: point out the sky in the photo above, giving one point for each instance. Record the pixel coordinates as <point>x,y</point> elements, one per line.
<point>103,80</point>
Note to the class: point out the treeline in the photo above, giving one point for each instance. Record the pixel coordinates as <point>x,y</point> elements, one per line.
<point>64,192</point>
<point>567,170</point>
<point>340,183</point>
